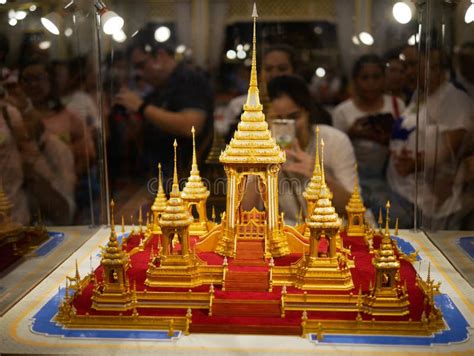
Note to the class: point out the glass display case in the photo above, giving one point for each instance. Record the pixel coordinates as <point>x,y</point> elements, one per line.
<point>148,127</point>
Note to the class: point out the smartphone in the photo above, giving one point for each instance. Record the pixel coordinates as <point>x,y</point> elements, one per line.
<point>284,132</point>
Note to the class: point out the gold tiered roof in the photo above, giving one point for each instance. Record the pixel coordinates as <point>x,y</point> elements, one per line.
<point>324,215</point>
<point>175,214</point>
<point>314,186</point>
<point>159,204</point>
<point>252,142</point>
<point>194,188</point>
<point>113,254</point>
<point>385,256</point>
<point>355,203</point>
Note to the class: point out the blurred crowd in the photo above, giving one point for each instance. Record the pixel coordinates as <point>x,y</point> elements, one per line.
<point>51,127</point>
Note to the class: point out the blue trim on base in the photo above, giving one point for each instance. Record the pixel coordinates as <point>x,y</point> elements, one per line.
<point>456,332</point>
<point>467,245</point>
<point>55,239</point>
<point>43,324</point>
<point>406,247</point>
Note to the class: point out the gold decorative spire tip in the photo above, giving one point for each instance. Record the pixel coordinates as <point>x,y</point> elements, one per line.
<point>254,12</point>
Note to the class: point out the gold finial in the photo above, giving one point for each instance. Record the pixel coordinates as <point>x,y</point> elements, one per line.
<point>387,219</point>
<point>175,170</point>
<point>193,131</point>
<point>112,219</point>
<point>123,225</point>
<point>380,220</point>
<point>253,100</point>
<point>323,180</point>
<point>356,179</point>
<point>428,276</point>
<point>78,277</point>
<point>317,166</point>
<point>213,214</point>
<point>396,227</point>
<point>160,177</point>
<point>140,219</point>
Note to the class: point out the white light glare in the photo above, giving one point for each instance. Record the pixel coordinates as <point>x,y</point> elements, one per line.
<point>20,15</point>
<point>11,14</point>
<point>119,36</point>
<point>320,72</point>
<point>68,32</point>
<point>111,22</point>
<point>181,49</point>
<point>469,17</point>
<point>231,54</point>
<point>44,45</point>
<point>2,2</point>
<point>162,34</point>
<point>33,8</point>
<point>246,47</point>
<point>51,22</point>
<point>12,22</point>
<point>401,12</point>
<point>239,47</point>
<point>241,54</point>
<point>366,38</point>
<point>355,40</point>
<point>414,39</point>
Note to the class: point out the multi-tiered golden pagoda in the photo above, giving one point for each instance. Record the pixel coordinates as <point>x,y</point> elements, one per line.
<point>316,271</point>
<point>159,205</point>
<point>114,291</point>
<point>355,211</point>
<point>195,195</point>
<point>387,297</point>
<point>252,152</point>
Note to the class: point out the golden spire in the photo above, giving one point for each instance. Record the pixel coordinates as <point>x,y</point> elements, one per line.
<point>159,204</point>
<point>253,99</point>
<point>355,203</point>
<point>312,190</point>
<point>252,142</point>
<point>175,213</point>
<point>324,215</point>
<point>385,256</point>
<point>194,188</point>
<point>113,252</point>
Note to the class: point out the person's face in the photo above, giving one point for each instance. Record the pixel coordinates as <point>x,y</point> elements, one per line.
<point>155,69</point>
<point>36,83</point>
<point>370,82</point>
<point>276,63</point>
<point>411,67</point>
<point>395,75</point>
<point>284,107</point>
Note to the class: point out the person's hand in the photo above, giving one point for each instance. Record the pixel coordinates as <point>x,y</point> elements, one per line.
<point>301,162</point>
<point>128,99</point>
<point>405,162</point>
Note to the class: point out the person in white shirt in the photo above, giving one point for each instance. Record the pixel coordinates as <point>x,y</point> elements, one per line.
<point>444,131</point>
<point>367,117</point>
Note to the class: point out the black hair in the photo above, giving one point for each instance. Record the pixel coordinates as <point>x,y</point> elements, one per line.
<point>54,102</point>
<point>393,55</point>
<point>367,59</point>
<point>296,89</point>
<point>288,50</point>
<point>4,47</point>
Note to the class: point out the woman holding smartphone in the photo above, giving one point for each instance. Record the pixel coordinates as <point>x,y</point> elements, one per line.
<point>291,101</point>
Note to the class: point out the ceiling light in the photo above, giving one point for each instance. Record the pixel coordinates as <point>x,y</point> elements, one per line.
<point>162,34</point>
<point>469,17</point>
<point>366,38</point>
<point>180,49</point>
<point>241,54</point>
<point>320,72</point>
<point>44,45</point>
<point>414,39</point>
<point>111,22</point>
<point>119,36</point>
<point>402,12</point>
<point>20,15</point>
<point>33,8</point>
<point>68,32</point>
<point>231,54</point>
<point>246,47</point>
<point>51,22</point>
<point>12,22</point>
<point>2,2</point>
<point>355,40</point>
